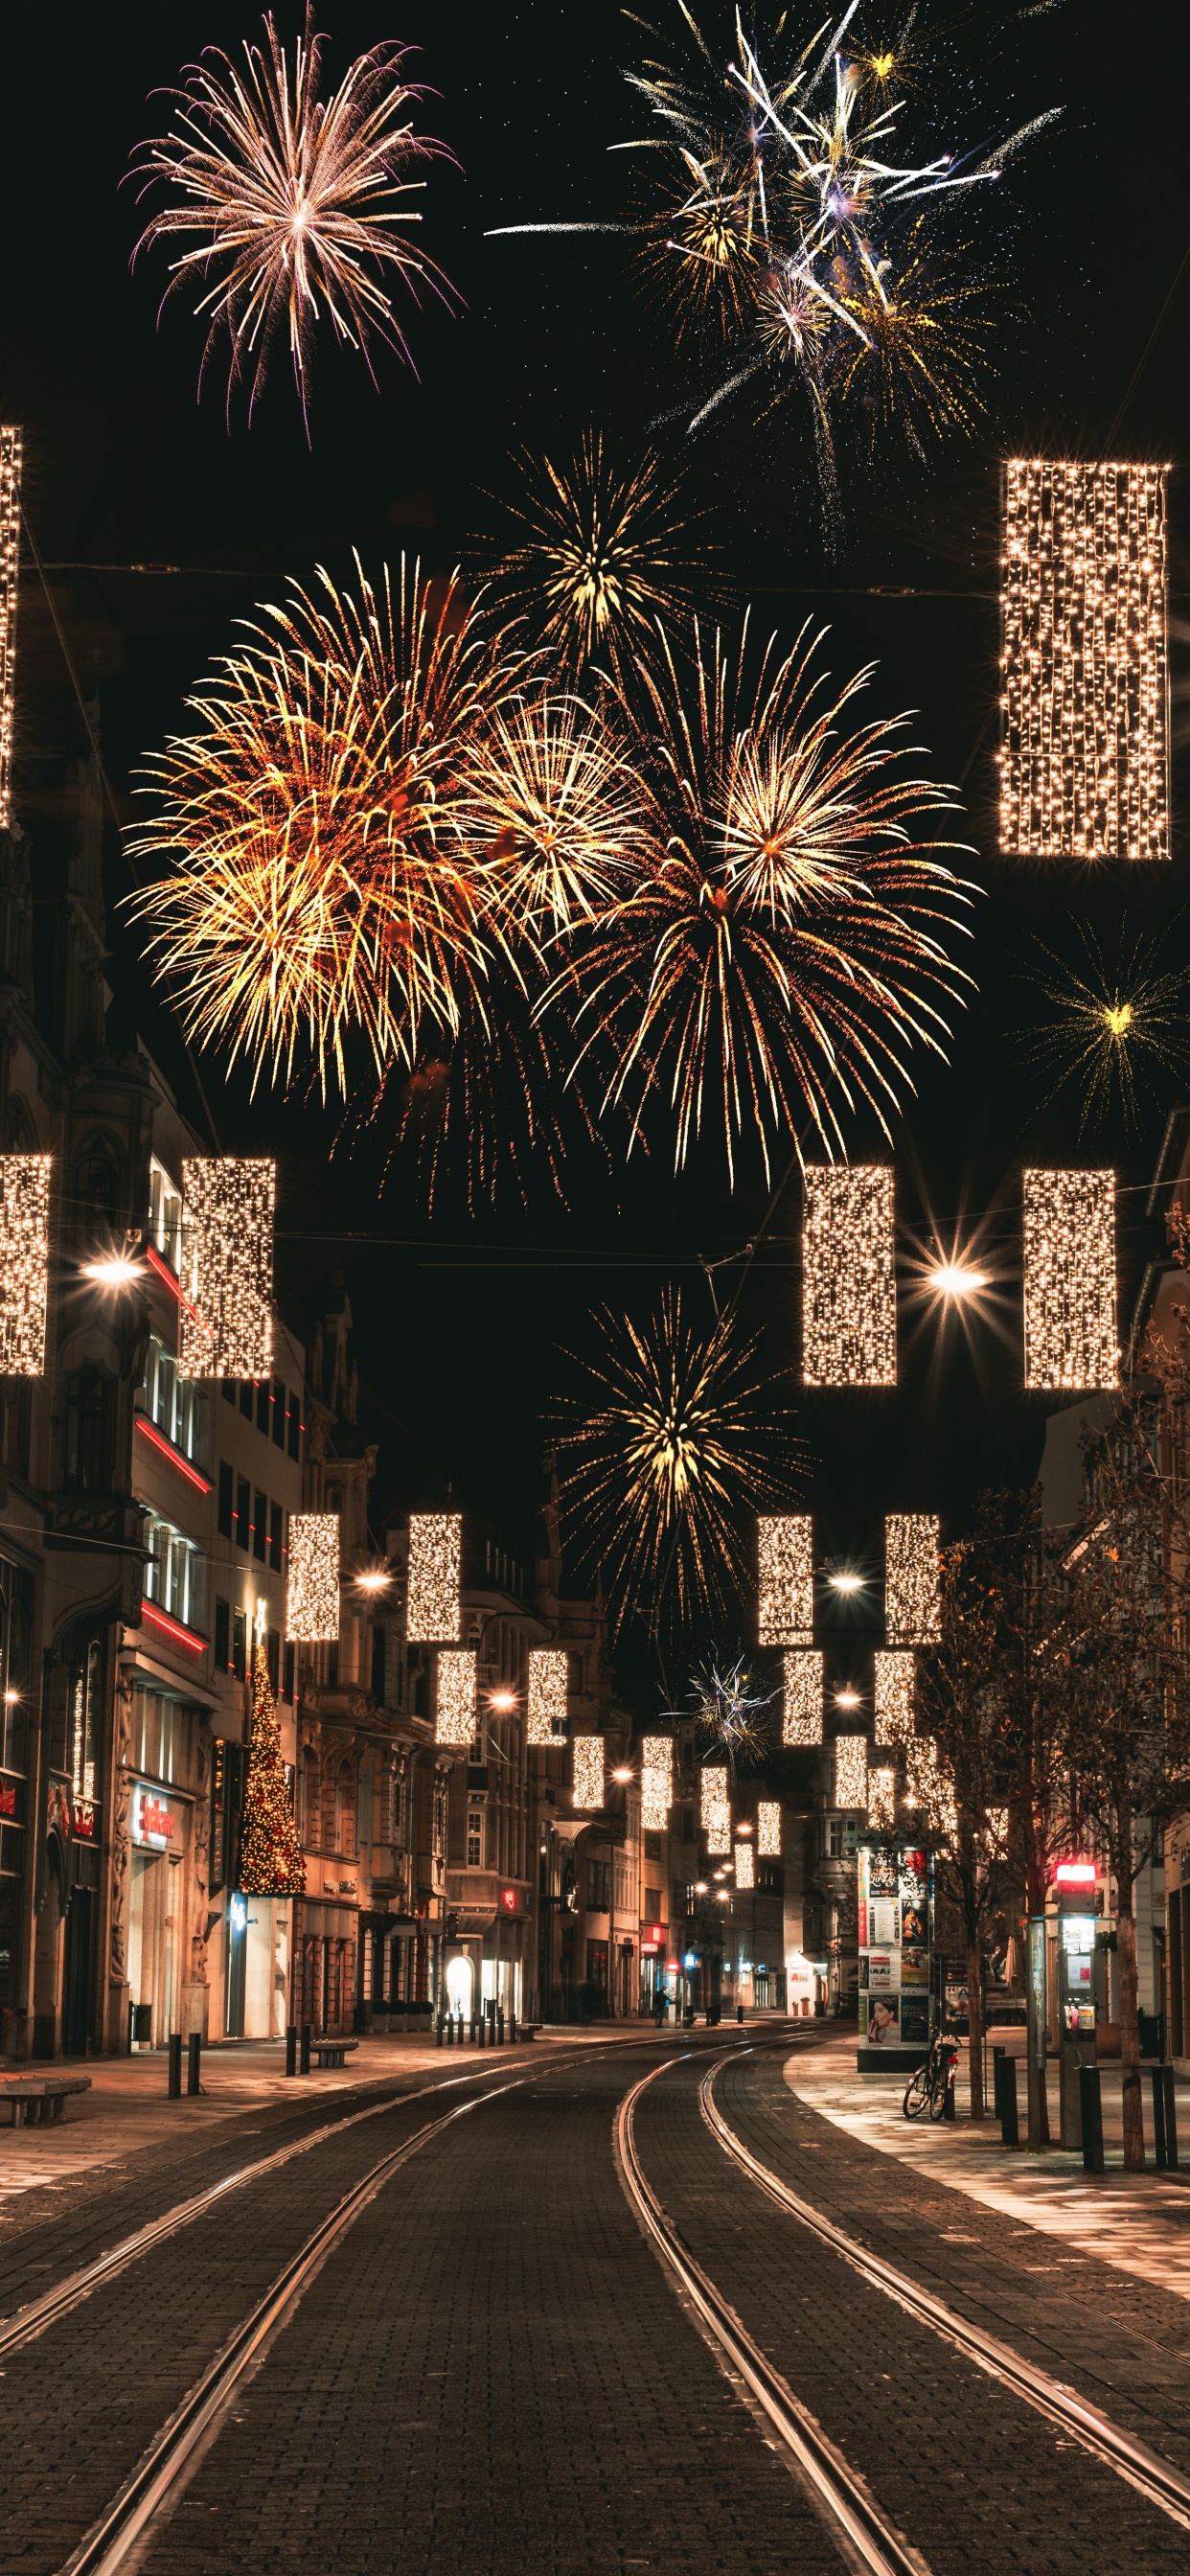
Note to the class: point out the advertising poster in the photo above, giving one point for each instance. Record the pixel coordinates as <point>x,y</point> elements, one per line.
<point>915,2017</point>
<point>915,1968</point>
<point>882,1922</point>
<point>882,1874</point>
<point>913,1919</point>
<point>911,1879</point>
<point>884,2020</point>
<point>883,1971</point>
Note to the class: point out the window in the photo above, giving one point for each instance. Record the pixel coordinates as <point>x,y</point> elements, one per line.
<point>264,1390</point>
<point>165,1216</point>
<point>652,1846</point>
<point>227,1389</point>
<point>85,1688</point>
<point>278,1413</point>
<point>295,1426</point>
<point>275,1535</point>
<point>225,1499</point>
<point>475,1838</point>
<point>222,1635</point>
<point>260,1526</point>
<point>345,1811</point>
<point>598,1886</point>
<point>652,1905</point>
<point>243,1510</point>
<point>88,1431</point>
<point>239,1652</point>
<point>247,1398</point>
<point>175,1574</point>
<point>172,1402</point>
<point>95,1187</point>
<point>288,1687</point>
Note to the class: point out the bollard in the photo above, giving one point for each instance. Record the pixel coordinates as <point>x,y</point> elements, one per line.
<point>439,2030</point>
<point>948,2102</point>
<point>462,2030</point>
<point>1165,2120</point>
<point>291,2048</point>
<point>450,2030</point>
<point>175,2066</point>
<point>1006,2101</point>
<point>194,2063</point>
<point>512,2028</point>
<point>1091,2105</point>
<point>304,2050</point>
<point>500,2024</point>
<point>482,2029</point>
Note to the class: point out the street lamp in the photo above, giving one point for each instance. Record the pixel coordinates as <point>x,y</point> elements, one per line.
<point>952,1279</point>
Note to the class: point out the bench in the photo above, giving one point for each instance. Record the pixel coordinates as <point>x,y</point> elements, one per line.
<point>332,2052</point>
<point>46,2092</point>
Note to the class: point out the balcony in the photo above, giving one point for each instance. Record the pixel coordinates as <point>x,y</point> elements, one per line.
<point>101,1521</point>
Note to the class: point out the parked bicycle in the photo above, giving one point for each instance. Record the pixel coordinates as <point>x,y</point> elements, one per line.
<point>929,2087</point>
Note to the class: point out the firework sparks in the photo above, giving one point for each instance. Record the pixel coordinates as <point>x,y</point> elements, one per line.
<point>1116,1031</point>
<point>294,205</point>
<point>599,554</point>
<point>667,1449</point>
<point>781,953</point>
<point>730,1710</point>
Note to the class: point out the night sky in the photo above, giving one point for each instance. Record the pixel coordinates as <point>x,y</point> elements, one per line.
<point>460,1320</point>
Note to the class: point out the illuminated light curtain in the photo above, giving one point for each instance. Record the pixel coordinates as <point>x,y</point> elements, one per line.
<point>882,1800</point>
<point>851,1772</point>
<point>312,1607</point>
<point>434,1610</point>
<point>549,1676</point>
<point>849,1293</point>
<point>768,1829</point>
<point>804,1685</point>
<point>10,564</point>
<point>715,1812</point>
<point>457,1706</point>
<point>656,1783</point>
<point>894,1696</point>
<point>588,1751</point>
<point>926,1785</point>
<point>912,1589</point>
<point>24,1262</point>
<point>1071,1330</point>
<point>745,1870</point>
<point>785,1590</point>
<point>1084,767</point>
<point>225,1326</point>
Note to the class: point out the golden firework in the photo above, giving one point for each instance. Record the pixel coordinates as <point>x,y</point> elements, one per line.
<point>918,367</point>
<point>295,206</point>
<point>1117,1030</point>
<point>555,814</point>
<point>600,552</point>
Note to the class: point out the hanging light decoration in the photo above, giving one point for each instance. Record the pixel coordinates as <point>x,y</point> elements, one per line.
<point>226,1317</point>
<point>715,1812</point>
<point>24,1262</point>
<point>745,1867</point>
<point>927,1787</point>
<point>456,1715</point>
<point>10,566</point>
<point>785,1592</point>
<point>656,1783</point>
<point>588,1751</point>
<point>912,1588</point>
<point>849,1294</point>
<point>768,1829</point>
<point>312,1608</point>
<point>882,1800</point>
<point>893,1696</point>
<point>1071,1330</point>
<point>1084,770</point>
<point>549,1679</point>
<point>851,1773</point>
<point>804,1686</point>
<point>434,1610</point>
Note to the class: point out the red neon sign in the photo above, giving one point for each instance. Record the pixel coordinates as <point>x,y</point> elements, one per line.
<point>1076,1873</point>
<point>8,1797</point>
<point>173,1628</point>
<point>174,1456</point>
<point>508,1899</point>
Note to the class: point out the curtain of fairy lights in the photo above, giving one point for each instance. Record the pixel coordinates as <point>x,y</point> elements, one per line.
<point>745,1869</point>
<point>457,1703</point>
<point>926,1784</point>
<point>588,1754</point>
<point>1084,768</point>
<point>433,1614</point>
<point>912,1591</point>
<point>24,1262</point>
<point>715,1812</point>
<point>882,1800</point>
<point>785,1589</point>
<point>802,1719</point>
<point>656,1783</point>
<point>10,566</point>
<point>226,1312</point>
<point>549,1668</point>
<point>1071,1329</point>
<point>312,1609</point>
<point>894,1696</point>
<point>849,1295</point>
<point>768,1829</point>
<point>851,1772</point>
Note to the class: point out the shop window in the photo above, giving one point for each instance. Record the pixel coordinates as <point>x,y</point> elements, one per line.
<point>239,1645</point>
<point>260,1527</point>
<point>475,1838</point>
<point>278,1413</point>
<point>226,1483</point>
<point>275,1533</point>
<point>243,1511</point>
<point>89,1395</point>
<point>222,1635</point>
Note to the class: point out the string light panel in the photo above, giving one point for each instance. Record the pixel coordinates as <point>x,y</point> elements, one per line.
<point>912,1590</point>
<point>768,1829</point>
<point>588,1753</point>
<point>926,1785</point>
<point>549,1669</point>
<point>656,1783</point>
<point>1071,1329</point>
<point>10,566</point>
<point>226,1310</point>
<point>312,1607</point>
<point>849,1293</point>
<point>894,1696</point>
<point>24,1262</point>
<point>804,1686</point>
<point>715,1812</point>
<point>745,1870</point>
<point>882,1801</point>
<point>785,1590</point>
<point>1084,768</point>
<point>851,1772</point>
<point>457,1712</point>
<point>434,1609</point>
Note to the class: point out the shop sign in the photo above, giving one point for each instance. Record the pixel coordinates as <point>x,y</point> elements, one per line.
<point>153,1820</point>
<point>8,1797</point>
<point>84,1820</point>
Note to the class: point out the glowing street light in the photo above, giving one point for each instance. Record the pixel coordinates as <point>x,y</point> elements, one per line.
<point>373,1579</point>
<point>624,1774</point>
<point>502,1701</point>
<point>117,1271</point>
<point>952,1279</point>
<point>846,1580</point>
<point>847,1698</point>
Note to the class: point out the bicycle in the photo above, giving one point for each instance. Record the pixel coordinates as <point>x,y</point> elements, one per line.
<point>931,2083</point>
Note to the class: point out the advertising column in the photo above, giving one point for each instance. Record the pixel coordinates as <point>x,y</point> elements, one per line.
<point>894,1952</point>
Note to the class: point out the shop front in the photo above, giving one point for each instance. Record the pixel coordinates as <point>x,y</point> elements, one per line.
<point>159,1826</point>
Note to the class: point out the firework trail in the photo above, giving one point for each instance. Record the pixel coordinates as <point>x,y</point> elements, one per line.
<point>293,206</point>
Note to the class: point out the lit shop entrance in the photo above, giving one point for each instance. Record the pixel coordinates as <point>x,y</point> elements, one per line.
<point>154,1916</point>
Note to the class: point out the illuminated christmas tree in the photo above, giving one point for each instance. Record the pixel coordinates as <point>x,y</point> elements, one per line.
<point>271,1862</point>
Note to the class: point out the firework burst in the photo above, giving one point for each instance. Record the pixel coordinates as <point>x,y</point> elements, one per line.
<point>730,1710</point>
<point>1116,1032</point>
<point>295,206</point>
<point>669,1444</point>
<point>599,553</point>
<point>782,950</point>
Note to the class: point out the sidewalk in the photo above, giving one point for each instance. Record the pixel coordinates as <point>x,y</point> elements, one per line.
<point>1138,2222</point>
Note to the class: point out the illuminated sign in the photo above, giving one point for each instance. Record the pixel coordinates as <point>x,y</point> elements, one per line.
<point>8,1797</point>
<point>508,1900</point>
<point>152,1821</point>
<point>652,1938</point>
<point>1076,1873</point>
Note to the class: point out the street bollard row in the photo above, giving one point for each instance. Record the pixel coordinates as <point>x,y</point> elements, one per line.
<point>488,2029</point>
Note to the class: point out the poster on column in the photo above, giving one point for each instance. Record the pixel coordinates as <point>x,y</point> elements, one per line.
<point>884,2020</point>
